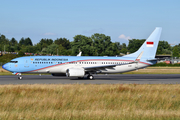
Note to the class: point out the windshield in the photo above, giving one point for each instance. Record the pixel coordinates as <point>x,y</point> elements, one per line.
<point>13,61</point>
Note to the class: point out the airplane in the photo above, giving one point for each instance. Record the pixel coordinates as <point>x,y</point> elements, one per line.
<point>81,66</point>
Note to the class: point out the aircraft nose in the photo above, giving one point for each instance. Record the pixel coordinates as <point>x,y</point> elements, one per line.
<point>5,66</point>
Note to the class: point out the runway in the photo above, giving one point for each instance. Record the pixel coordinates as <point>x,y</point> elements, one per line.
<point>99,79</point>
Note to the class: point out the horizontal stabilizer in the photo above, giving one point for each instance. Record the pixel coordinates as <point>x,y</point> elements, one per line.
<point>149,60</point>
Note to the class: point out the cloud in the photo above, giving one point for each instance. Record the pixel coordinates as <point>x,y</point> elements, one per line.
<point>122,36</point>
<point>49,34</point>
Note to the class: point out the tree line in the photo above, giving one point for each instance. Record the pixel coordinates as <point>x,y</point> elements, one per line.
<point>95,45</point>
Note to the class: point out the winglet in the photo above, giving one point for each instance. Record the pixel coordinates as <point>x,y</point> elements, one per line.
<point>79,53</point>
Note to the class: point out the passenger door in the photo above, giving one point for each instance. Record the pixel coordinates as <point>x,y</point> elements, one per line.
<point>26,63</point>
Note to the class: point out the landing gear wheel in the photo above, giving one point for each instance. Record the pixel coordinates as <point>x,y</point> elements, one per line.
<point>20,77</point>
<point>90,77</point>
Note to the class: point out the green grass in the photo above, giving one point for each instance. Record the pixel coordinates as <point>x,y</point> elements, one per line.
<point>90,102</point>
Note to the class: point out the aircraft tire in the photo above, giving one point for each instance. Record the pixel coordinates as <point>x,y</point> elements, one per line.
<point>20,78</point>
<point>91,77</point>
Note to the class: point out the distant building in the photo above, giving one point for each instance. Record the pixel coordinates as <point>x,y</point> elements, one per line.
<point>167,59</point>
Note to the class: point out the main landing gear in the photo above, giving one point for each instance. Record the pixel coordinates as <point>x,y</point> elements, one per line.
<point>90,77</point>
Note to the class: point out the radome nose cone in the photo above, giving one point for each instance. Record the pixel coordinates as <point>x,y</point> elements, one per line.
<point>4,66</point>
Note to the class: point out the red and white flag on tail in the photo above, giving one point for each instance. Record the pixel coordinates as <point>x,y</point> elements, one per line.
<point>149,44</point>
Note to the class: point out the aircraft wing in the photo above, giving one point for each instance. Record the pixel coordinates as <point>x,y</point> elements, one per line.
<point>104,67</point>
<point>95,68</point>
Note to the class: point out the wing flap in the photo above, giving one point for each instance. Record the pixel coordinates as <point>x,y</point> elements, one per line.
<point>95,68</point>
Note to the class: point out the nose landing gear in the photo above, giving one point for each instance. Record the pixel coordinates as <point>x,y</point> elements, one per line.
<point>19,76</point>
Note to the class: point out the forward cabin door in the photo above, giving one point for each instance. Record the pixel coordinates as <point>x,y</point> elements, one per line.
<point>26,63</point>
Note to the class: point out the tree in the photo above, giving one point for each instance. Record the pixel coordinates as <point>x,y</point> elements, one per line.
<point>13,45</point>
<point>123,49</point>
<point>101,43</point>
<point>38,48</point>
<point>44,43</point>
<point>13,42</point>
<point>64,42</point>
<point>166,51</point>
<point>20,53</point>
<point>62,50</point>
<point>119,45</point>
<point>52,49</point>
<point>44,51</point>
<point>162,46</point>
<point>85,44</point>
<point>30,49</point>
<point>21,42</point>
<point>3,42</point>
<point>135,44</point>
<point>112,50</point>
<point>175,52</point>
<point>27,42</point>
<point>124,45</point>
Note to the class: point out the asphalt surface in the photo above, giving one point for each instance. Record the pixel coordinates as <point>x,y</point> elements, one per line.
<point>99,79</point>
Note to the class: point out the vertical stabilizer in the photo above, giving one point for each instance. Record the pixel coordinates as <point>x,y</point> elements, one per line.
<point>149,47</point>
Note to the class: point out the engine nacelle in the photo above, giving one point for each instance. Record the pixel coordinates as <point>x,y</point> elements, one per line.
<point>75,72</point>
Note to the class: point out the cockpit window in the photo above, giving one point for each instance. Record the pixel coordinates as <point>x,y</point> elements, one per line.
<point>13,61</point>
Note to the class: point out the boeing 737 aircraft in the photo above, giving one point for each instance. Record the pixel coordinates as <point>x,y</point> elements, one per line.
<point>80,66</point>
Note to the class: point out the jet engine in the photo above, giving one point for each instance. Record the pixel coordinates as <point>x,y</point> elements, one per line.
<point>75,72</point>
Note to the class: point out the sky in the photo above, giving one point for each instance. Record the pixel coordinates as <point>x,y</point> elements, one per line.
<point>119,19</point>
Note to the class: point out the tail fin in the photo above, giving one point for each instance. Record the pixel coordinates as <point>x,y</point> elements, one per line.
<point>149,47</point>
